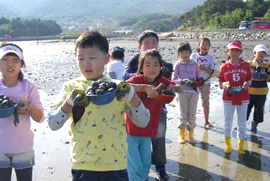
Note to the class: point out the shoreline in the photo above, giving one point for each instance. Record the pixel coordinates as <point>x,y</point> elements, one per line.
<point>49,64</point>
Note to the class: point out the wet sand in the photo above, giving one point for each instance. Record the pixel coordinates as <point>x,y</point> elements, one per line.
<point>50,63</point>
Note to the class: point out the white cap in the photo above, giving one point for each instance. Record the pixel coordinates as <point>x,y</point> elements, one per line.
<point>260,48</point>
<point>10,49</point>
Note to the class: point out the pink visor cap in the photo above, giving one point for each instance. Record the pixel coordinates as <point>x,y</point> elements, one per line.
<point>260,48</point>
<point>10,49</point>
<point>235,45</point>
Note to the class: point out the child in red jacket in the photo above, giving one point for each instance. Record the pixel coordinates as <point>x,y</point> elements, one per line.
<point>139,139</point>
<point>235,74</point>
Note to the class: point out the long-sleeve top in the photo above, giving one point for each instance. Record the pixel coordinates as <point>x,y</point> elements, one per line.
<point>259,86</point>
<point>236,75</point>
<point>131,67</point>
<point>151,104</point>
<point>98,140</point>
<point>183,70</point>
<point>20,138</point>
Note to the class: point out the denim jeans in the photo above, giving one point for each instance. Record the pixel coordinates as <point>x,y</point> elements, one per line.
<point>84,175</point>
<point>158,141</point>
<point>18,160</point>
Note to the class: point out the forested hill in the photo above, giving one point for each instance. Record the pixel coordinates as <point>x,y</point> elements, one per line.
<point>225,13</point>
<point>90,10</point>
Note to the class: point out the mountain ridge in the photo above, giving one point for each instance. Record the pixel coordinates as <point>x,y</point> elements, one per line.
<point>90,10</point>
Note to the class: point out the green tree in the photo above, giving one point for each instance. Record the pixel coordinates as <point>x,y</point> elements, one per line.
<point>215,19</point>
<point>249,15</point>
<point>258,7</point>
<point>156,21</point>
<point>209,8</point>
<point>35,27</point>
<point>267,15</point>
<point>4,21</point>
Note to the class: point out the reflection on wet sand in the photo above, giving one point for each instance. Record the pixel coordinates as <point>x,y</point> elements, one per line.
<point>226,167</point>
<point>196,162</point>
<point>190,154</point>
<point>204,161</point>
<point>252,159</point>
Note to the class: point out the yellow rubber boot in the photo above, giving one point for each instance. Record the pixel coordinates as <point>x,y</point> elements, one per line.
<point>241,147</point>
<point>181,136</point>
<point>228,145</point>
<point>191,139</point>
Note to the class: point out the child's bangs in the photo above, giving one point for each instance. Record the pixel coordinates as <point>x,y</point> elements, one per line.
<point>11,54</point>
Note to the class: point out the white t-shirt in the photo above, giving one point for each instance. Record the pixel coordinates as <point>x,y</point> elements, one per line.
<point>115,69</point>
<point>207,60</point>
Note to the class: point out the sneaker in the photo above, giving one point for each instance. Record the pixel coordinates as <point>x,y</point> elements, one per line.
<point>162,174</point>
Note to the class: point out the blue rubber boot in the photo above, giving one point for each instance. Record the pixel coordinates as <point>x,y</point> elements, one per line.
<point>253,127</point>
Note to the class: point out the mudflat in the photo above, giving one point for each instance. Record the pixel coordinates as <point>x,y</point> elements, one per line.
<point>50,63</point>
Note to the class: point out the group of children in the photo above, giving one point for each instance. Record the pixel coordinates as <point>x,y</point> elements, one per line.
<point>113,141</point>
<point>237,73</point>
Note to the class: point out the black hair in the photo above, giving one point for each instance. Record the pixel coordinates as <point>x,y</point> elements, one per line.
<point>147,34</point>
<point>167,69</point>
<point>201,40</point>
<point>117,53</point>
<point>20,74</point>
<point>92,38</point>
<point>183,46</point>
<point>146,54</point>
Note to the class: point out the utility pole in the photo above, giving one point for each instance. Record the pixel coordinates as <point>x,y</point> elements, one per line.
<point>196,21</point>
<point>75,31</point>
<point>37,33</point>
<point>109,28</point>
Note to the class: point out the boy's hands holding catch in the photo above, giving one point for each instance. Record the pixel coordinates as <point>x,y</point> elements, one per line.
<point>125,91</point>
<point>77,98</point>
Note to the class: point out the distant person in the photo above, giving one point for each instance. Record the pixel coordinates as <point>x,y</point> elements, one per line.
<point>17,139</point>
<point>207,67</point>
<point>149,40</point>
<point>233,74</point>
<point>139,139</point>
<point>258,89</point>
<point>115,69</point>
<point>98,140</point>
<point>186,69</point>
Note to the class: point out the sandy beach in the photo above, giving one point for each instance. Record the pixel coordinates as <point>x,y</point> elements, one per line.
<point>50,63</point>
